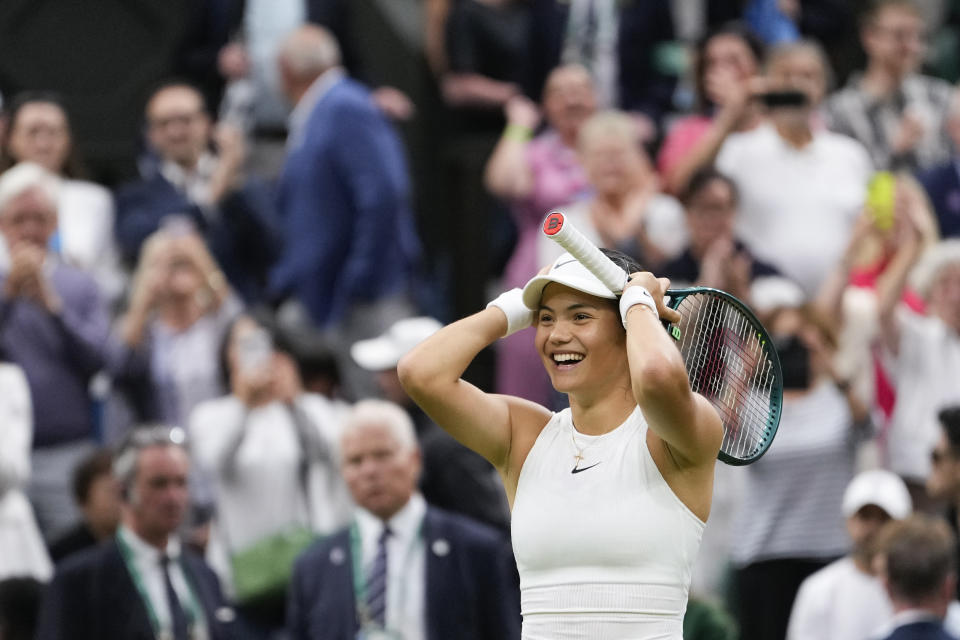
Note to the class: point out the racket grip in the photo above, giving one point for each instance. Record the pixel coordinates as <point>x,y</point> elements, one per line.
<point>587,253</point>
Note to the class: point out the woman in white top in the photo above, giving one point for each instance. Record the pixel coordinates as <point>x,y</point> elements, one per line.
<point>608,497</point>
<point>39,131</point>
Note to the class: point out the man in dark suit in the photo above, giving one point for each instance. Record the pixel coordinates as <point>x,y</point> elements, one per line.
<point>350,245</point>
<point>403,568</point>
<point>143,583</point>
<point>917,563</point>
<point>196,179</point>
<point>943,182</point>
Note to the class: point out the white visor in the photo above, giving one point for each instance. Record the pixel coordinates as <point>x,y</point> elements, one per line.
<point>568,271</point>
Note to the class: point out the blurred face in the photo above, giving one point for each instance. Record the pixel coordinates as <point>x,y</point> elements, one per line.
<point>102,508</point>
<point>615,165</point>
<point>379,471</point>
<point>953,121</point>
<point>178,127</point>
<point>727,57</point>
<point>40,134</point>
<point>710,214</point>
<point>159,496</point>
<point>581,340</point>
<point>801,70</point>
<point>895,40</point>
<point>943,483</point>
<point>30,219</point>
<point>569,99</point>
<point>864,526</point>
<point>945,296</point>
<point>182,279</point>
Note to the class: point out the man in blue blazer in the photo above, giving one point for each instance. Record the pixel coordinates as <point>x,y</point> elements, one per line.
<point>143,583</point>
<point>918,560</point>
<point>402,567</point>
<point>348,233</point>
<point>942,183</point>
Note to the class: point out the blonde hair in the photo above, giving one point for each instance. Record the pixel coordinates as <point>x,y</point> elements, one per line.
<point>609,124</point>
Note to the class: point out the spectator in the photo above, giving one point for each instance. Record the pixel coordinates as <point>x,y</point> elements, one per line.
<point>714,257</point>
<point>24,553</point>
<point>273,451</point>
<point>197,181</point>
<point>180,306</point>
<point>40,132</point>
<point>923,351</point>
<point>536,176</point>
<point>627,211</point>
<point>351,262</point>
<point>942,182</point>
<point>96,492</point>
<point>802,224</point>
<point>726,68</point>
<point>403,567</point>
<point>144,583</point>
<point>898,114</point>
<point>453,477</point>
<point>844,600</point>
<point>787,526</point>
<point>54,324</point>
<point>19,607</point>
<point>919,569</point>
<point>943,483</point>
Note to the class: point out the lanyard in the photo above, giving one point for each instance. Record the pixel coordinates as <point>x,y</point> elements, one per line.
<point>192,609</point>
<point>360,579</point>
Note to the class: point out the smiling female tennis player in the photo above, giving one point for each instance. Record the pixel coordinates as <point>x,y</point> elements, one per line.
<point>610,496</point>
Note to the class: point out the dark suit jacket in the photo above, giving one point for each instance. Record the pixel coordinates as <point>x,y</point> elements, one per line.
<point>241,234</point>
<point>943,187</point>
<point>470,592</point>
<point>644,24</point>
<point>343,200</point>
<point>93,597</point>
<point>926,630</point>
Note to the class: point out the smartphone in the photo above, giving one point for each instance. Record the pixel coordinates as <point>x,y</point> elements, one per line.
<point>255,350</point>
<point>785,98</point>
<point>881,193</point>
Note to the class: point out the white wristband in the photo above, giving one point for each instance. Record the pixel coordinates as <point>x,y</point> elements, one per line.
<point>636,295</point>
<point>519,315</point>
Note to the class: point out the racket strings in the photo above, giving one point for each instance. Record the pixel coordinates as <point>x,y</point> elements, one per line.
<point>729,365</point>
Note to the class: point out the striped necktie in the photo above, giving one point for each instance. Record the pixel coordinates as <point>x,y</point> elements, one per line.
<point>377,583</point>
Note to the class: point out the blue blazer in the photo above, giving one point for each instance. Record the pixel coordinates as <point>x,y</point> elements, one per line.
<point>925,630</point>
<point>93,597</point>
<point>343,200</point>
<point>943,188</point>
<point>471,589</point>
<point>241,234</point>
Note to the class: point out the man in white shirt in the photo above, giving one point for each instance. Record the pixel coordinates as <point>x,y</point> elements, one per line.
<point>844,600</point>
<point>403,569</point>
<point>143,583</point>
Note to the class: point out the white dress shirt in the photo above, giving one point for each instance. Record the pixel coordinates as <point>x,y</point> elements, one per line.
<point>144,561</point>
<point>406,565</point>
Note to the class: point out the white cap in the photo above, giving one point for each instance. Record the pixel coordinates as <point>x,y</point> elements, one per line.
<point>566,270</point>
<point>881,488</point>
<point>384,352</point>
<point>775,292</point>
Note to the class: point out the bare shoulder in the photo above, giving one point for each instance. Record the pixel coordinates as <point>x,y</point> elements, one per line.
<point>527,420</point>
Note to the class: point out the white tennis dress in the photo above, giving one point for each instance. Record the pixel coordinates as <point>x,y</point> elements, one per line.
<point>606,552</point>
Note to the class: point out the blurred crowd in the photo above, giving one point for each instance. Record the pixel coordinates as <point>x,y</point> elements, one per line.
<point>209,272</point>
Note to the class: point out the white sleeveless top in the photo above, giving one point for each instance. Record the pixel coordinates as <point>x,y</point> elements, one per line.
<point>605,553</point>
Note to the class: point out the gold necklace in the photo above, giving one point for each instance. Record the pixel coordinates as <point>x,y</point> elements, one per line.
<point>579,455</point>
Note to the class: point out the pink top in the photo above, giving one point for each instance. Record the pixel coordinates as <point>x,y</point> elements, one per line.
<point>558,179</point>
<point>683,136</point>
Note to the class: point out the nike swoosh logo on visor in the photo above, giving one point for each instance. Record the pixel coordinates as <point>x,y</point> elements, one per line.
<point>575,470</point>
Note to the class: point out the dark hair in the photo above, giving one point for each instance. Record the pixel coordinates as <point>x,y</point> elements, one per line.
<point>72,166</point>
<point>20,599</point>
<point>920,555</point>
<point>734,29</point>
<point>949,418</point>
<point>175,83</point>
<point>626,262</point>
<point>95,465</point>
<point>702,178</point>
<point>875,7</point>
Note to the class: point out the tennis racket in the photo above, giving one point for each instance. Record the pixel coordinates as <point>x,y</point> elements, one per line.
<point>729,356</point>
